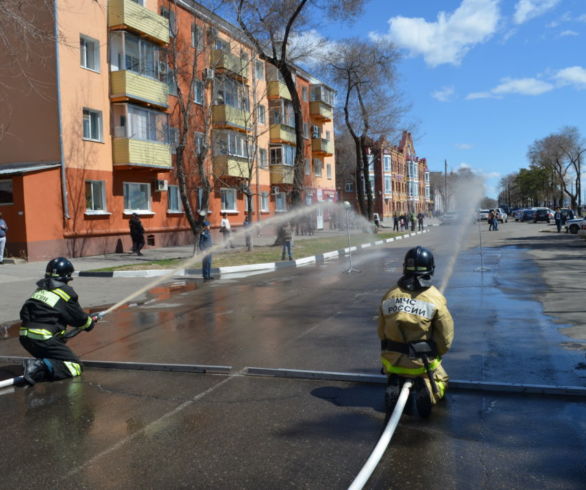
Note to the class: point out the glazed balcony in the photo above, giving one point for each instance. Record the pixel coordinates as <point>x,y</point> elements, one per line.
<point>126,14</point>
<point>322,147</point>
<point>128,85</point>
<point>321,111</point>
<point>228,116</point>
<point>278,90</point>
<point>281,133</point>
<point>281,174</point>
<point>128,152</point>
<point>228,62</point>
<point>231,166</point>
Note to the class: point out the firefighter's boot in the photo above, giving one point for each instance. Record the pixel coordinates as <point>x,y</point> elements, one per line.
<point>35,370</point>
<point>423,400</point>
<point>392,393</point>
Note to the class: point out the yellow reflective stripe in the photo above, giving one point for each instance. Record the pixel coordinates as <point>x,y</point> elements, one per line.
<point>88,322</point>
<point>441,386</point>
<point>36,333</point>
<point>74,368</point>
<point>47,297</point>
<point>410,371</point>
<point>62,294</point>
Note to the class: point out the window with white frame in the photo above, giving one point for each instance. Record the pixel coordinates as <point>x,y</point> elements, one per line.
<point>137,196</point>
<point>426,177</point>
<point>262,115</point>
<point>171,80</point>
<point>228,199</point>
<point>232,143</point>
<point>89,50</point>
<point>199,140</point>
<point>198,91</point>
<point>427,192</point>
<point>280,202</point>
<point>283,155</point>
<point>174,205</point>
<point>370,159</point>
<point>95,195</point>
<point>264,202</point>
<point>387,163</point>
<point>281,112</point>
<point>92,125</point>
<point>173,139</point>
<point>305,130</point>
<point>141,124</point>
<point>307,166</point>
<point>196,37</point>
<point>317,166</point>
<point>329,171</point>
<point>259,68</point>
<point>130,52</point>
<point>246,203</point>
<point>388,185</point>
<point>262,156</point>
<point>349,187</point>
<point>6,192</point>
<point>228,91</point>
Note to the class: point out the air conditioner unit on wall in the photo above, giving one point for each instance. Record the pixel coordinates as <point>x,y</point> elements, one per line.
<point>161,185</point>
<point>208,73</point>
<point>275,190</point>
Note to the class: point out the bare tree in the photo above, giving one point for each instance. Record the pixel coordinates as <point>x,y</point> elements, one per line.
<point>269,25</point>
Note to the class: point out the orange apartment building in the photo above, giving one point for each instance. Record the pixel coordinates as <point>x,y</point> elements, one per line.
<point>399,179</point>
<point>91,127</point>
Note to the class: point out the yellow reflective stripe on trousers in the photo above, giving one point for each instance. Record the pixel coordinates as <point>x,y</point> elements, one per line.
<point>74,368</point>
<point>61,294</point>
<point>87,323</point>
<point>36,333</point>
<point>409,371</point>
<point>441,386</point>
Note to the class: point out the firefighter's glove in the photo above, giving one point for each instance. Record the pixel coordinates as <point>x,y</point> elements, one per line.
<point>91,326</point>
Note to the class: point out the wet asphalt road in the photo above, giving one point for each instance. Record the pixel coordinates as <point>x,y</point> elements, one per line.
<point>136,429</point>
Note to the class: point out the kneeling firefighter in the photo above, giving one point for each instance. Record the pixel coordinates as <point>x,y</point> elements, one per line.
<point>45,316</point>
<point>415,328</point>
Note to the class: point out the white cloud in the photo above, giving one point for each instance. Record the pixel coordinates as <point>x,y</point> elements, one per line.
<point>529,9</point>
<point>450,37</point>
<point>464,146</point>
<point>444,94</point>
<point>508,86</point>
<point>568,33</point>
<point>574,75</point>
<point>310,47</point>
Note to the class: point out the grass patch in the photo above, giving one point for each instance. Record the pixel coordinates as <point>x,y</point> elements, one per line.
<point>239,256</point>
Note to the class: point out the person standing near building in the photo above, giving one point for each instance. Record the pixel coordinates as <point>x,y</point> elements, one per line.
<point>491,218</point>
<point>226,229</point>
<point>412,220</point>
<point>558,219</point>
<point>286,233</point>
<point>136,233</point>
<point>45,317</point>
<point>3,230</point>
<point>412,312</point>
<point>395,222</point>
<point>420,217</point>
<point>205,242</point>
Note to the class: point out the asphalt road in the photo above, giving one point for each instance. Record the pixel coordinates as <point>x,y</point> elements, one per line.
<point>143,429</point>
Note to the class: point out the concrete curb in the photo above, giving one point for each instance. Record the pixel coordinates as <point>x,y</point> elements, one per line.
<point>259,268</point>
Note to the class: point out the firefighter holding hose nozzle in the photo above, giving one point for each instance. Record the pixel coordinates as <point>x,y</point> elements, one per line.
<point>45,317</point>
<point>415,328</point>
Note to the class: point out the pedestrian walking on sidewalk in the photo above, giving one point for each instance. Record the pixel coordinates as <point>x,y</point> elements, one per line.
<point>205,242</point>
<point>226,229</point>
<point>420,217</point>
<point>286,232</point>
<point>395,222</point>
<point>3,230</point>
<point>558,219</point>
<point>136,233</point>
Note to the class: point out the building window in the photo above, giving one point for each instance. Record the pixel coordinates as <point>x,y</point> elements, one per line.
<point>140,2</point>
<point>6,193</point>
<point>89,53</point>
<point>246,203</point>
<point>95,195</point>
<point>231,143</point>
<point>283,155</point>
<point>280,202</point>
<point>305,130</point>
<point>171,82</point>
<point>170,16</point>
<point>141,124</point>
<point>174,139</point>
<point>196,37</point>
<point>199,143</point>
<point>228,199</point>
<point>92,125</point>
<point>387,163</point>
<point>349,187</point>
<point>262,154</point>
<point>228,91</point>
<point>262,114</point>
<point>198,92</point>
<point>129,52</point>
<point>328,171</point>
<point>304,93</point>
<point>264,202</point>
<point>137,197</point>
<point>307,166</point>
<point>317,164</point>
<point>388,185</point>
<point>259,69</point>
<point>175,205</point>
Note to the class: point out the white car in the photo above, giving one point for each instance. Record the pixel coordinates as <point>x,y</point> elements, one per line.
<point>573,225</point>
<point>483,214</point>
<point>502,216</point>
<point>582,229</point>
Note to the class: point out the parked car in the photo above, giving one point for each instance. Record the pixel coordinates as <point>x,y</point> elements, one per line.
<point>567,214</point>
<point>527,215</point>
<point>502,216</point>
<point>449,218</point>
<point>543,214</point>
<point>582,229</point>
<point>517,213</point>
<point>483,214</point>
<point>573,225</point>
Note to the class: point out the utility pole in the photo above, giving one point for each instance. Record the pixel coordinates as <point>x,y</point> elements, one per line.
<point>445,186</point>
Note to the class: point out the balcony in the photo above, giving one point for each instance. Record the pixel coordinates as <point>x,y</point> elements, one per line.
<point>231,166</point>
<point>126,14</point>
<point>322,147</point>
<point>226,116</point>
<point>127,152</point>
<point>321,111</point>
<point>282,174</point>
<point>282,134</point>
<point>231,63</point>
<point>278,90</point>
<point>127,85</point>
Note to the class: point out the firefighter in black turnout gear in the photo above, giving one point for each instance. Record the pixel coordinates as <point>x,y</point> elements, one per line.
<point>45,317</point>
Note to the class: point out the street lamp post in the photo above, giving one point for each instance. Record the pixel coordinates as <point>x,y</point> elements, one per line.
<point>348,208</point>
